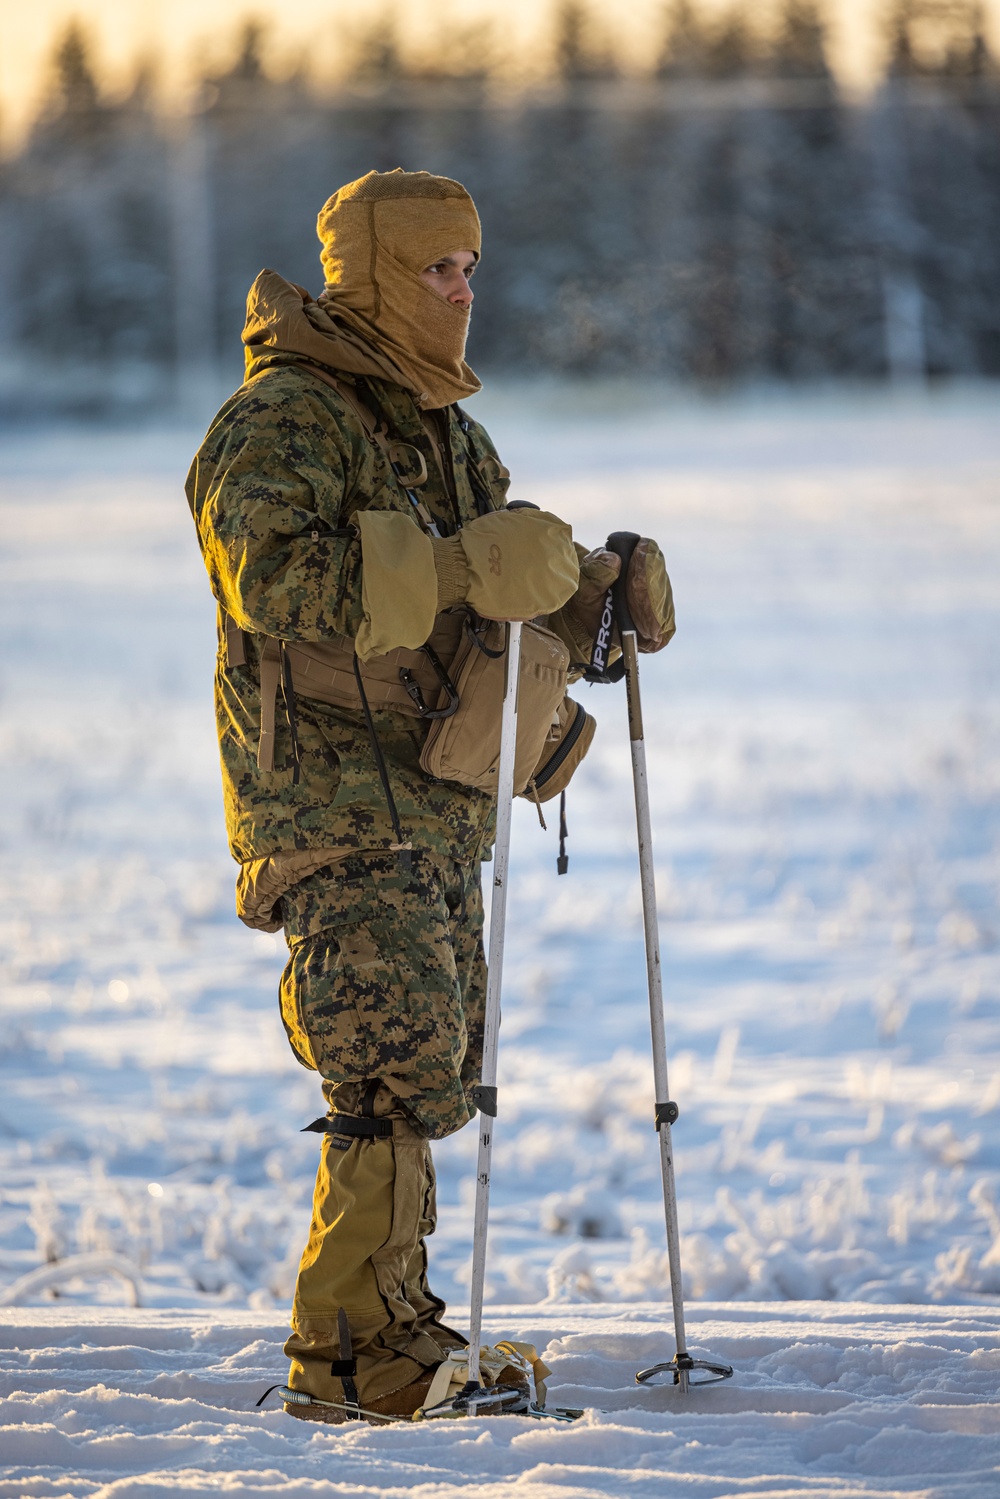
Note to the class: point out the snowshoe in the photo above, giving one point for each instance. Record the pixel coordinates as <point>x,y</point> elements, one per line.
<point>445,1392</point>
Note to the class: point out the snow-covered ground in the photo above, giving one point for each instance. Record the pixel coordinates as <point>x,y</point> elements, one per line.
<point>822,740</point>
<point>828,1401</point>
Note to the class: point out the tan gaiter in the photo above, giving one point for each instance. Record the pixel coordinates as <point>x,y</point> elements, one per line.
<point>372,1206</point>
<point>427,1306</point>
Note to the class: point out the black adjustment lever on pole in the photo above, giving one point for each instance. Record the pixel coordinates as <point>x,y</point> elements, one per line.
<point>615,612</point>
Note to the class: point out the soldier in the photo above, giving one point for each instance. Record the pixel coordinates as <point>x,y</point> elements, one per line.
<point>353,522</point>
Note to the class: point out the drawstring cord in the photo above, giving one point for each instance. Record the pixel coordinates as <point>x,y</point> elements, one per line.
<point>538,806</point>
<point>402,847</point>
<point>288,693</point>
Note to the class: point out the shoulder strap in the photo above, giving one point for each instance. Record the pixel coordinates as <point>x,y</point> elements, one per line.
<point>366,417</point>
<point>377,431</point>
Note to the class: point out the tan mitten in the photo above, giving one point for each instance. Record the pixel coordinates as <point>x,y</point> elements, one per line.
<point>650,597</point>
<point>581,616</point>
<point>510,564</point>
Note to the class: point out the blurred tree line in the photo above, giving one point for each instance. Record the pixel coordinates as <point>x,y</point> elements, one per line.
<point>727,216</point>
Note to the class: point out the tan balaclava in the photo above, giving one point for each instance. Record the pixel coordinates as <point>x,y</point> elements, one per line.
<point>378,234</point>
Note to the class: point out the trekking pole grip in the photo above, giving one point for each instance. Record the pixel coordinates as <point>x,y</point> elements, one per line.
<point>623,544</point>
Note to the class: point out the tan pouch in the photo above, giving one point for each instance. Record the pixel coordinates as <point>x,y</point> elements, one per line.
<point>466,747</point>
<point>401,680</point>
<point>568,741</point>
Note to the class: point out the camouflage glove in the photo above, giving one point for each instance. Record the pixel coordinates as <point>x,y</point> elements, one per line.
<point>650,597</point>
<point>510,564</point>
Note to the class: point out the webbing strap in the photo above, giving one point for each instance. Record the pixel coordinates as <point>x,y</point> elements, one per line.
<point>367,418</point>
<point>270,678</point>
<point>402,846</point>
<point>359,1128</point>
<point>236,642</point>
<point>346,1366</point>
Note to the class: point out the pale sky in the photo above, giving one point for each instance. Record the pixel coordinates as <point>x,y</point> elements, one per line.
<point>175,32</point>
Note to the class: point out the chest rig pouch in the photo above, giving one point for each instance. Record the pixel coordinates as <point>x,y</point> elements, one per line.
<point>466,746</point>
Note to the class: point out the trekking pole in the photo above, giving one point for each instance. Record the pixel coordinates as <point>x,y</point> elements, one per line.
<point>623,544</point>
<point>485,1095</point>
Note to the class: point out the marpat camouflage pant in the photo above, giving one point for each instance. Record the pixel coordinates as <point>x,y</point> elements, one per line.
<point>386,978</point>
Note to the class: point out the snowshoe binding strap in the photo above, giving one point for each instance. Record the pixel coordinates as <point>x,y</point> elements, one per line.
<point>343,1368</point>
<point>451,1393</point>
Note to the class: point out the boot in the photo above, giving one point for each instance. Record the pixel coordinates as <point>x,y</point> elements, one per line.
<point>399,1405</point>
<point>507,1366</point>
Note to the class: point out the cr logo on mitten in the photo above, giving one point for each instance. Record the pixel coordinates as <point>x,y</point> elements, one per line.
<point>495,560</point>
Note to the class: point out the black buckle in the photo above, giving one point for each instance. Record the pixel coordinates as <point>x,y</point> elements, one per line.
<point>666,1113</point>
<point>479,640</point>
<point>412,686</point>
<point>485,1099</point>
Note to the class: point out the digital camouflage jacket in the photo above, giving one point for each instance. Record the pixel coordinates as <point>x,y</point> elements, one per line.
<point>285,464</point>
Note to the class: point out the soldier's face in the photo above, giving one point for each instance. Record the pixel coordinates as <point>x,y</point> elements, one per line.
<point>450,277</point>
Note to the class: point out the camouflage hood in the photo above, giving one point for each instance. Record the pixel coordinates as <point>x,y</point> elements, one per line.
<point>284,318</point>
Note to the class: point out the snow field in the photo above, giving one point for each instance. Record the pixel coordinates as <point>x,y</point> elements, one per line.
<point>841,1400</point>
<point>821,737</point>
